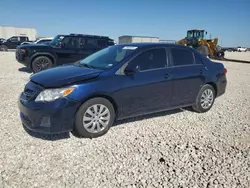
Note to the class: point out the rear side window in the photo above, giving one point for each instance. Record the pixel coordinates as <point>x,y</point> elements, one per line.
<point>151,59</point>
<point>22,39</point>
<point>182,57</point>
<point>102,43</point>
<point>197,59</point>
<point>91,43</point>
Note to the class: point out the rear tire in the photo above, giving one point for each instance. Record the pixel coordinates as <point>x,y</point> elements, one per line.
<point>205,99</point>
<point>41,63</point>
<point>94,118</point>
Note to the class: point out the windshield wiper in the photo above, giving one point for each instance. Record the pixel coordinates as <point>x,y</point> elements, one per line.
<point>86,65</point>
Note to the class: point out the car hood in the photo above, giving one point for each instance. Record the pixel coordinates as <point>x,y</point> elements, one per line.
<point>64,75</point>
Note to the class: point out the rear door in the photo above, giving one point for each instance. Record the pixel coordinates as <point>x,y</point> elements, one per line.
<point>188,75</point>
<point>69,52</point>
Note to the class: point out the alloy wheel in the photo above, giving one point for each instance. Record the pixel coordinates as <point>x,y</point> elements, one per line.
<point>42,64</point>
<point>96,118</point>
<point>207,98</point>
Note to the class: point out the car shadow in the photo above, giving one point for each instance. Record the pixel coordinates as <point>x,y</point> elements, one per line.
<point>154,115</point>
<point>55,137</point>
<point>25,69</point>
<point>49,137</point>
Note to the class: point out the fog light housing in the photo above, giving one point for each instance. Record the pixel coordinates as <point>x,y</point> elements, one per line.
<point>45,121</point>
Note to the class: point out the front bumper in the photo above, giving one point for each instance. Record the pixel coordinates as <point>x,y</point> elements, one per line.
<point>51,117</point>
<point>22,58</point>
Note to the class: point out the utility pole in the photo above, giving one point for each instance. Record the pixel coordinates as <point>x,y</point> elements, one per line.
<point>210,36</point>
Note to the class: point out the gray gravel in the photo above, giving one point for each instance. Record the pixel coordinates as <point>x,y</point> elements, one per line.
<point>178,148</point>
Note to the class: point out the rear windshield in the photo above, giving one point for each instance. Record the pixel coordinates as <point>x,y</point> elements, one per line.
<point>108,57</point>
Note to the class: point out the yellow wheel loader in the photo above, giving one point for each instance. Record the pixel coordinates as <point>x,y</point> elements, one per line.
<point>196,39</point>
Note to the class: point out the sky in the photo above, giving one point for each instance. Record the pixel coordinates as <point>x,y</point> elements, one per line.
<point>229,20</point>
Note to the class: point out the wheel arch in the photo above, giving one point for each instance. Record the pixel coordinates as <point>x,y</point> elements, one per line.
<point>105,96</point>
<point>50,56</point>
<point>214,86</point>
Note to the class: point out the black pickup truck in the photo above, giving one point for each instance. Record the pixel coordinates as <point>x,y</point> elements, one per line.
<point>63,49</point>
<point>12,42</point>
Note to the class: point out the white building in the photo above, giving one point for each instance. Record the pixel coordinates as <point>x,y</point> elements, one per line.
<point>9,31</point>
<point>134,39</point>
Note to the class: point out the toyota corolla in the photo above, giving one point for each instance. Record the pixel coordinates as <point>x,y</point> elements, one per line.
<point>119,82</point>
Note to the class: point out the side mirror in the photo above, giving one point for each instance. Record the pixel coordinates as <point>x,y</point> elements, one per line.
<point>129,70</point>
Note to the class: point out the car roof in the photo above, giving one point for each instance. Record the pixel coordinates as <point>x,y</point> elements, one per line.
<point>153,44</point>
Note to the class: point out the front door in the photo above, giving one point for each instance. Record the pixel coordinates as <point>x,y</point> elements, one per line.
<point>13,42</point>
<point>69,51</point>
<point>187,75</point>
<point>149,89</point>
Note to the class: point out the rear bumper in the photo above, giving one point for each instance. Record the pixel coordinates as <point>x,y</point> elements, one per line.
<point>23,59</point>
<point>49,118</point>
<point>221,85</point>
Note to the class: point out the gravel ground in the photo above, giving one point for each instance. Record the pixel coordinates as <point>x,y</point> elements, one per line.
<point>178,148</point>
<point>245,56</point>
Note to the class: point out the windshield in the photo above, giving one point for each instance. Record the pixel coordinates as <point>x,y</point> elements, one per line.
<point>108,57</point>
<point>57,40</point>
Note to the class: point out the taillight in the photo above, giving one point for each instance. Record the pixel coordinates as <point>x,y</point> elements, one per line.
<point>225,71</point>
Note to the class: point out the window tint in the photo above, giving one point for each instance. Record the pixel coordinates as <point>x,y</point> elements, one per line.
<point>22,39</point>
<point>182,57</point>
<point>71,42</point>
<point>13,39</point>
<point>197,59</point>
<point>101,43</point>
<point>150,59</point>
<point>91,43</point>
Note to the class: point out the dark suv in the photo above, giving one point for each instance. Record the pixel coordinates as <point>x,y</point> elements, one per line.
<point>63,49</point>
<point>12,42</point>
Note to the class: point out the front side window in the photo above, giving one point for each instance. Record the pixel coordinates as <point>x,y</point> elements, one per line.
<point>57,40</point>
<point>151,59</point>
<point>70,42</point>
<point>14,39</point>
<point>107,57</point>
<point>182,57</point>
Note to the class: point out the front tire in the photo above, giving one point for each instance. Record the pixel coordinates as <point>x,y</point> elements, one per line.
<point>94,118</point>
<point>205,99</point>
<point>41,63</point>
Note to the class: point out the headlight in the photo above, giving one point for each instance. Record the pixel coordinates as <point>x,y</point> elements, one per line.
<point>53,94</point>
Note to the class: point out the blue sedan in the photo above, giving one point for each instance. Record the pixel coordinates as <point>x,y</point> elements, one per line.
<point>118,82</point>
